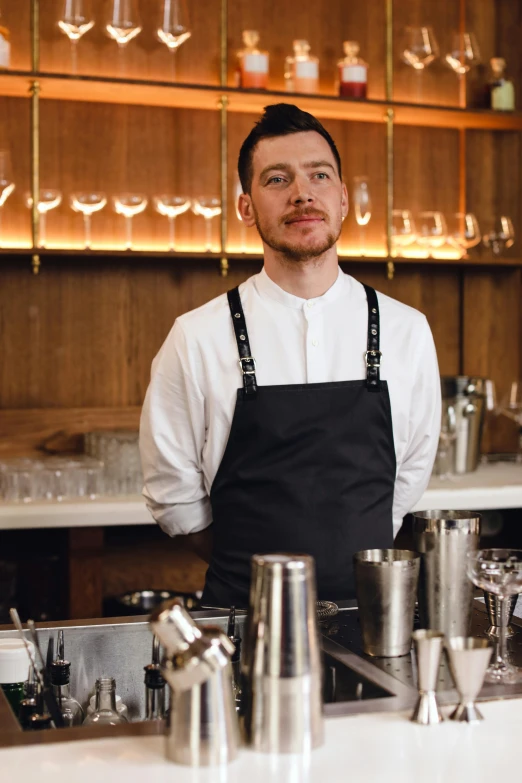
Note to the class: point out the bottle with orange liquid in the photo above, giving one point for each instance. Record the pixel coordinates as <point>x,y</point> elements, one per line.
<point>302,69</point>
<point>252,63</point>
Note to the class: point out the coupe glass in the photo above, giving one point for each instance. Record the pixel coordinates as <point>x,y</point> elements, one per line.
<point>6,180</point>
<point>173,28</point>
<point>238,190</point>
<point>76,20</point>
<point>87,204</point>
<point>129,205</point>
<point>122,25</point>
<point>209,207</point>
<point>511,407</point>
<point>362,203</point>
<point>50,198</point>
<point>403,231</point>
<point>432,231</point>
<point>170,207</point>
<point>501,236</point>
<point>464,54</point>
<point>463,231</point>
<point>498,571</point>
<point>419,49</point>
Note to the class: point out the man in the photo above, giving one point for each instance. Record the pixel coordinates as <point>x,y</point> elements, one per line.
<point>300,412</point>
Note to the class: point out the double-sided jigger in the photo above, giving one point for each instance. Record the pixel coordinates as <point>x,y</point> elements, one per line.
<point>428,648</point>
<point>493,608</point>
<point>468,659</point>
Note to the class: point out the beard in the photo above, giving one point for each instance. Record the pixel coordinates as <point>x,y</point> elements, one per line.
<point>300,251</point>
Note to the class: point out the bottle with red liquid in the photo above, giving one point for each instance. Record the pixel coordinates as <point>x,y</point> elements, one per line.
<point>353,72</point>
<point>252,63</point>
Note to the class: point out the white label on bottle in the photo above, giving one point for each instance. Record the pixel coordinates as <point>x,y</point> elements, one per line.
<point>5,52</point>
<point>354,73</point>
<point>307,69</point>
<point>255,63</point>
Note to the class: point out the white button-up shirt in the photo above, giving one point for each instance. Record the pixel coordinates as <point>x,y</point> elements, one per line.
<point>189,405</point>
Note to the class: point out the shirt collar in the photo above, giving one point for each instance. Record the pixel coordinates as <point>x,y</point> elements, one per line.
<point>266,287</point>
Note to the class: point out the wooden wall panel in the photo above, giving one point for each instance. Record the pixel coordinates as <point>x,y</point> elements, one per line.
<point>15,222</point>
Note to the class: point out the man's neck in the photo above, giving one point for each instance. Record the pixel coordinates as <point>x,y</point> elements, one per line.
<point>305,279</point>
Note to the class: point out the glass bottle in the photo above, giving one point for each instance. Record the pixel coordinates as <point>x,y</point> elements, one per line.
<point>31,704</point>
<point>105,713</point>
<point>60,673</point>
<point>353,72</point>
<point>501,89</point>
<point>302,69</point>
<point>252,63</point>
<point>154,685</point>
<point>13,671</point>
<point>5,46</point>
<point>237,683</point>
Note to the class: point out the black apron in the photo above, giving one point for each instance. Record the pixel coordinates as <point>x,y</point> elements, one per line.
<point>308,468</point>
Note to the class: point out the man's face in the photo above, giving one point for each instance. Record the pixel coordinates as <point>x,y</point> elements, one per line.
<point>297,200</point>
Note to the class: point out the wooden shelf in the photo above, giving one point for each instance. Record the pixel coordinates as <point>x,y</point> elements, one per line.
<point>207,97</point>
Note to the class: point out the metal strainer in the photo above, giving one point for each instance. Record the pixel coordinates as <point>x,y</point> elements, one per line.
<point>326,609</point>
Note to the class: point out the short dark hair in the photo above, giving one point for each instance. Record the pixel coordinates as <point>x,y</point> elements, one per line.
<point>279,119</point>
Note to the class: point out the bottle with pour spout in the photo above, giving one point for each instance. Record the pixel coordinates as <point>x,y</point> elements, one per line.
<point>353,72</point>
<point>252,63</point>
<point>302,69</point>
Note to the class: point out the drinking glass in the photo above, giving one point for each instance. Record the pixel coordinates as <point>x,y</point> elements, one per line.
<point>501,236</point>
<point>6,180</point>
<point>122,25</point>
<point>87,203</point>
<point>419,50</point>
<point>510,406</point>
<point>363,208</point>
<point>447,438</point>
<point>129,205</point>
<point>238,190</point>
<point>209,207</point>
<point>463,231</point>
<point>173,28</point>
<point>498,571</point>
<point>76,20</point>
<point>403,231</point>
<point>432,231</point>
<point>170,207</point>
<point>464,53</point>
<point>50,198</point>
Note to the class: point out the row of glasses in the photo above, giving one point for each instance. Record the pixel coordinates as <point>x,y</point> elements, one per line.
<point>122,23</point>
<point>118,450</point>
<point>25,479</point>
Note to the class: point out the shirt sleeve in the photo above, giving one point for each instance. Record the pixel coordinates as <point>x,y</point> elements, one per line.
<point>415,469</point>
<point>172,435</point>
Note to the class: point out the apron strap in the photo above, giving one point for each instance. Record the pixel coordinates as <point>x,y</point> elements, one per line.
<point>373,355</point>
<point>246,360</point>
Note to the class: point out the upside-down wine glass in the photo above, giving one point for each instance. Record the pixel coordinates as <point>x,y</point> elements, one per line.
<point>419,50</point>
<point>362,203</point>
<point>463,231</point>
<point>87,203</point>
<point>129,205</point>
<point>6,181</point>
<point>498,571</point>
<point>209,207</point>
<point>49,199</point>
<point>170,207</point>
<point>501,236</point>
<point>432,231</point>
<point>464,53</point>
<point>173,28</point>
<point>76,20</point>
<point>403,231</point>
<point>123,25</point>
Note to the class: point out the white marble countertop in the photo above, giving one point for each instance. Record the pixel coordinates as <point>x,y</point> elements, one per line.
<point>492,486</point>
<point>384,748</point>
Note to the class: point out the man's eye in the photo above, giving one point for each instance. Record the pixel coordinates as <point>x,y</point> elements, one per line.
<point>275,179</point>
<point>321,175</point>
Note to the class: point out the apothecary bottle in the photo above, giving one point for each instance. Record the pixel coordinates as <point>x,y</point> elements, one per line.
<point>501,89</point>
<point>5,45</point>
<point>71,710</point>
<point>252,63</point>
<point>302,69</point>
<point>105,712</point>
<point>353,72</point>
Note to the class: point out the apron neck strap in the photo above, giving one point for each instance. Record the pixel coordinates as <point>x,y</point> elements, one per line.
<point>246,360</point>
<point>373,354</point>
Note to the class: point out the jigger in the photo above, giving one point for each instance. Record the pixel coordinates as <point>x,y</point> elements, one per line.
<point>468,659</point>
<point>428,649</point>
<point>493,608</point>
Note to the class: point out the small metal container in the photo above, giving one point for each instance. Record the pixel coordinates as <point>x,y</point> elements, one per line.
<point>386,589</point>
<point>493,608</point>
<point>466,397</point>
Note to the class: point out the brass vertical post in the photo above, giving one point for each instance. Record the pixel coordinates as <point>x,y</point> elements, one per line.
<point>390,267</point>
<point>223,104</point>
<point>35,132</point>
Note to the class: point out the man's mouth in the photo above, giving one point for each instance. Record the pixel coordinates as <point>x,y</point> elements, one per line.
<point>301,219</point>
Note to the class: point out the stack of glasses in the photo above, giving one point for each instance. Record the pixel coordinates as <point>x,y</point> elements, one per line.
<point>27,479</point>
<point>119,453</point>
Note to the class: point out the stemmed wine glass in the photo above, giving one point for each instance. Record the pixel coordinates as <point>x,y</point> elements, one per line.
<point>173,27</point>
<point>498,571</point>
<point>6,180</point>
<point>170,207</point>
<point>49,199</point>
<point>403,231</point>
<point>122,25</point>
<point>501,236</point>
<point>463,231</point>
<point>76,20</point>
<point>464,53</point>
<point>432,231</point>
<point>238,190</point>
<point>419,50</point>
<point>129,205</point>
<point>87,203</point>
<point>209,207</point>
<point>362,203</point>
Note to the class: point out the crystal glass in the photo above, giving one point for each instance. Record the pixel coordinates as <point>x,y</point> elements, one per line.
<point>510,406</point>
<point>118,451</point>
<point>498,571</point>
<point>419,48</point>
<point>362,203</point>
<point>173,27</point>
<point>87,203</point>
<point>445,452</point>
<point>209,207</point>
<point>123,24</point>
<point>501,236</point>
<point>403,231</point>
<point>76,20</point>
<point>432,231</point>
<point>105,711</point>
<point>464,53</point>
<point>170,207</point>
<point>238,190</point>
<point>50,199</point>
<point>6,181</point>
<point>129,205</point>
<point>463,231</point>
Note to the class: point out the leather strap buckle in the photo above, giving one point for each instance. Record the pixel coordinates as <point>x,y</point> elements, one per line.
<point>374,355</point>
<point>247,359</point>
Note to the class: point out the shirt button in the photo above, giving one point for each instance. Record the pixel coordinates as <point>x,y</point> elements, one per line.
<point>314,343</point>
<point>309,304</point>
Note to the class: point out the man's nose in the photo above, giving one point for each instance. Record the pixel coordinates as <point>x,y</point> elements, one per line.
<point>301,191</point>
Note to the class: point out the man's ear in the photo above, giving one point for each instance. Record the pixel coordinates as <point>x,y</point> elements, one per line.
<point>246,210</point>
<point>344,200</point>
